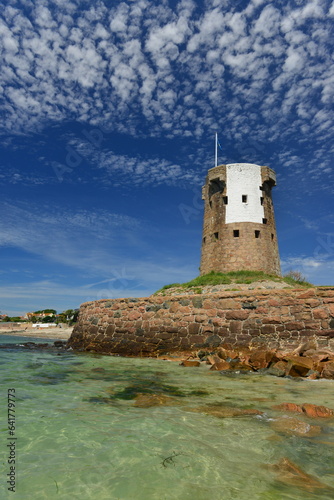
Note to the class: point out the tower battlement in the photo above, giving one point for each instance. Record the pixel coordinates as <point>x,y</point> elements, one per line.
<point>239,230</point>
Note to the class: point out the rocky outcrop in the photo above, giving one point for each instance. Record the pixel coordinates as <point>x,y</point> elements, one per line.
<point>271,361</point>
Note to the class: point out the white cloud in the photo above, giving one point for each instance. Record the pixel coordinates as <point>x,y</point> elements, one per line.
<point>143,68</point>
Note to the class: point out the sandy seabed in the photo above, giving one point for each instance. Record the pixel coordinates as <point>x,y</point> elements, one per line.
<point>42,333</point>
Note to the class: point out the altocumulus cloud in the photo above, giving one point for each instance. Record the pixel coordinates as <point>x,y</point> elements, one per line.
<point>149,69</point>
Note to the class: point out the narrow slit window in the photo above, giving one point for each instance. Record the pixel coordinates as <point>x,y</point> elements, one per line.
<point>244,198</point>
<point>216,236</point>
<point>261,188</point>
<point>257,234</point>
<point>264,221</point>
<point>225,200</point>
<point>210,203</point>
<point>272,236</point>
<point>261,199</point>
<point>236,233</point>
<point>204,239</point>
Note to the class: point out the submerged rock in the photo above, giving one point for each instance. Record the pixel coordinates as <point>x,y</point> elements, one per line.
<point>288,407</point>
<point>292,426</point>
<point>291,474</point>
<point>149,400</point>
<point>227,411</point>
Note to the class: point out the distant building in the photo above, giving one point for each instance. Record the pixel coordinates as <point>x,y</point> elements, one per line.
<point>44,325</point>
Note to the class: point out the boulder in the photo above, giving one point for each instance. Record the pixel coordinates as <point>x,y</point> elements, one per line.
<point>227,353</point>
<point>221,365</point>
<point>238,364</point>
<point>278,369</point>
<point>313,375</point>
<point>298,366</point>
<point>261,359</point>
<point>328,370</point>
<point>213,359</point>
<point>191,362</point>
<point>308,409</point>
<point>316,411</point>
<point>292,426</point>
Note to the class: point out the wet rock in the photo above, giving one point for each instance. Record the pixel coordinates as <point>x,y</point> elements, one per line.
<point>213,359</point>
<point>149,400</point>
<point>291,474</point>
<point>221,365</point>
<point>316,411</point>
<point>238,364</point>
<point>298,366</point>
<point>227,353</point>
<point>59,343</point>
<point>313,375</point>
<point>226,411</point>
<point>294,427</point>
<point>328,370</point>
<point>308,409</point>
<point>260,359</point>
<point>288,407</point>
<point>191,362</point>
<point>278,369</point>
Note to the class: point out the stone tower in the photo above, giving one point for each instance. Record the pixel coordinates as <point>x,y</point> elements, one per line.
<point>239,229</point>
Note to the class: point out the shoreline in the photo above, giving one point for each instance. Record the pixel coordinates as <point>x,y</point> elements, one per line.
<point>39,333</point>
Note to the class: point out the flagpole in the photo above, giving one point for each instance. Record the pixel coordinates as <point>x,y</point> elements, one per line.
<point>216,149</point>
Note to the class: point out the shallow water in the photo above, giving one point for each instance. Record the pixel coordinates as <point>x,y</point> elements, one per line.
<point>80,435</point>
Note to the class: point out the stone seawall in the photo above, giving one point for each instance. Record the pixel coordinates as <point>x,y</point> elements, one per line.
<point>157,325</point>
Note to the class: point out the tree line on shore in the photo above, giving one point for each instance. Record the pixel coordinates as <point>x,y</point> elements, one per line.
<point>44,316</point>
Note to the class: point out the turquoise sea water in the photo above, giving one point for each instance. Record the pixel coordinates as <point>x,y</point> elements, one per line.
<point>81,436</point>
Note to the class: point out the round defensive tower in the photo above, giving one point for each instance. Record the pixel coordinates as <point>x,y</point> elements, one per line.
<point>239,231</point>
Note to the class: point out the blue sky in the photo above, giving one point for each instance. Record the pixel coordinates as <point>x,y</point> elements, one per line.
<point>108,115</point>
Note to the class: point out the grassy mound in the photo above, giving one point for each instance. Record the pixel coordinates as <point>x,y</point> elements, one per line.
<point>235,277</point>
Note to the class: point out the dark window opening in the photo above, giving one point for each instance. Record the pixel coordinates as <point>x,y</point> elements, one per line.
<point>272,236</point>
<point>261,188</point>
<point>244,198</point>
<point>204,239</point>
<point>257,234</point>
<point>236,233</point>
<point>210,203</point>
<point>264,221</point>
<point>261,199</point>
<point>267,186</point>
<point>216,186</point>
<point>225,200</point>
<point>216,236</point>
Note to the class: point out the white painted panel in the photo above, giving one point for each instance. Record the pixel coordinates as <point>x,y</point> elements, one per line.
<point>243,179</point>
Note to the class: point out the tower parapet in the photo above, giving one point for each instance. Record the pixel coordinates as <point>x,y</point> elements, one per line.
<point>239,230</point>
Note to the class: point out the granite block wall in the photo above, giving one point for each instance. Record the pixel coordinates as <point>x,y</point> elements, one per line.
<point>157,325</point>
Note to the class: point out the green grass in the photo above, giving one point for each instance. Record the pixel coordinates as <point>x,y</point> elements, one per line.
<point>235,277</point>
